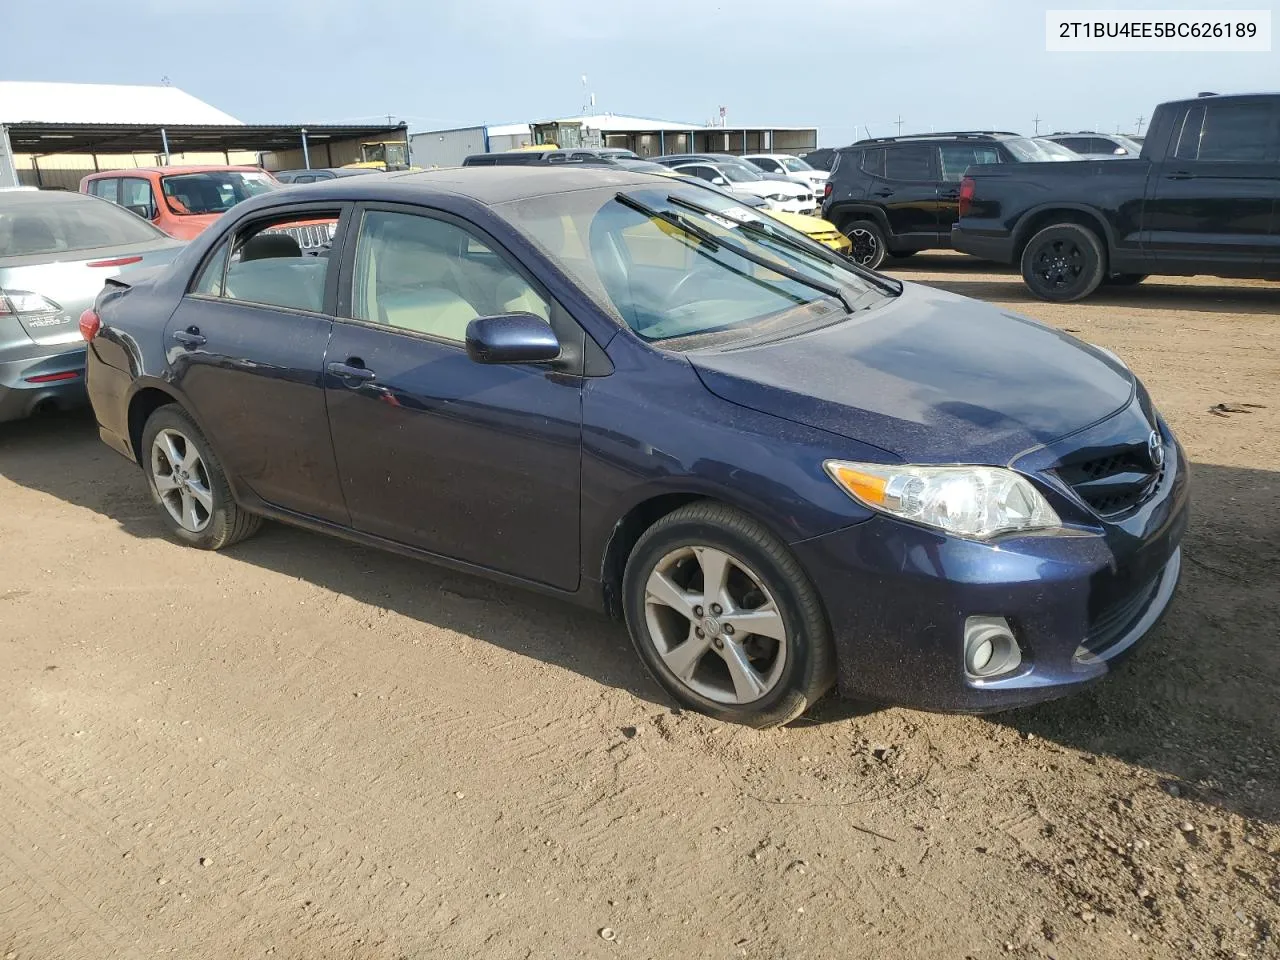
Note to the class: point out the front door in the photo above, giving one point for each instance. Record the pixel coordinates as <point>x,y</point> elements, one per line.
<point>908,193</point>
<point>479,463</point>
<point>1215,198</point>
<point>246,347</point>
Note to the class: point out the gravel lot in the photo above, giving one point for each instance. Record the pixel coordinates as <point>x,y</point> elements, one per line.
<point>304,749</point>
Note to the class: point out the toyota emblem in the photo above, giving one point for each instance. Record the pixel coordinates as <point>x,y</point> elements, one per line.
<point>1155,449</point>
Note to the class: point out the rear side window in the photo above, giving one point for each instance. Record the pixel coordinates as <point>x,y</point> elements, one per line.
<point>273,263</point>
<point>1078,144</point>
<point>873,162</point>
<point>959,157</point>
<point>910,162</point>
<point>66,223</point>
<point>1242,132</point>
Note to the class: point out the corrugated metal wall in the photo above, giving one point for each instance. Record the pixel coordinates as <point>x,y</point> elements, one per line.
<point>64,171</point>
<point>447,148</point>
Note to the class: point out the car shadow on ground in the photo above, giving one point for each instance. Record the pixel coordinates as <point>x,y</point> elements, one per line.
<point>971,277</point>
<point>1197,704</point>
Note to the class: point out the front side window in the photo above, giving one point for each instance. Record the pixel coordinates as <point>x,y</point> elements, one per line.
<point>269,266</point>
<point>429,276</point>
<point>794,165</point>
<point>740,172</point>
<point>959,157</point>
<point>212,191</point>
<point>136,195</point>
<point>651,270</point>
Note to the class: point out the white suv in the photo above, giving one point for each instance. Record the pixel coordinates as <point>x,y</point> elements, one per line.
<point>790,166</point>
<point>785,195</point>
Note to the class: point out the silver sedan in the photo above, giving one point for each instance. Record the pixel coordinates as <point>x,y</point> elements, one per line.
<point>56,251</point>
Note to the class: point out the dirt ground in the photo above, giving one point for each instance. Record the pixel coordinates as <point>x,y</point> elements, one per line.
<point>304,749</point>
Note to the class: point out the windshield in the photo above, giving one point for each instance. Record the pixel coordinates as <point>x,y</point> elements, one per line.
<point>1056,151</point>
<point>794,164</point>
<point>38,223</point>
<point>738,172</point>
<point>1028,150</point>
<point>670,271</point>
<point>213,191</point>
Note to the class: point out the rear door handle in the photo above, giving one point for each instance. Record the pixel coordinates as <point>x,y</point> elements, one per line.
<point>351,370</point>
<point>1178,176</point>
<point>190,337</point>
<point>883,193</point>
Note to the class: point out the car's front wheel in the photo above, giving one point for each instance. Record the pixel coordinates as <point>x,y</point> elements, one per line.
<point>725,619</point>
<point>868,243</point>
<point>1064,262</point>
<point>188,484</point>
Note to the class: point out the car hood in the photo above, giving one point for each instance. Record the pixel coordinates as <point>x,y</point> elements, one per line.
<point>928,376</point>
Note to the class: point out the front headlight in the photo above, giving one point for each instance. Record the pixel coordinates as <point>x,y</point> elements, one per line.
<point>973,502</point>
<point>777,197</point>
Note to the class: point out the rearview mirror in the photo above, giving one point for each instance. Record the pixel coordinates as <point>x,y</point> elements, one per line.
<point>511,338</point>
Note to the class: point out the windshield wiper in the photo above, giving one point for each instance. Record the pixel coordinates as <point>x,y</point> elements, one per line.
<point>760,228</point>
<point>829,289</point>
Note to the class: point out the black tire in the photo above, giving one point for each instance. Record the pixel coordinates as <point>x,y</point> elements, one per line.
<point>227,523</point>
<point>902,254</point>
<point>869,244</point>
<point>1064,262</point>
<point>808,668</point>
<point>1125,279</point>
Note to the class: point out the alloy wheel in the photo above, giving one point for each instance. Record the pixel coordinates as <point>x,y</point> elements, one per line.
<point>715,625</point>
<point>182,480</point>
<point>1059,263</point>
<point>866,246</point>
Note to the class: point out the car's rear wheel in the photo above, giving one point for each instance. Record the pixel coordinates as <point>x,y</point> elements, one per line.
<point>1126,279</point>
<point>724,618</point>
<point>869,247</point>
<point>1064,262</point>
<point>188,484</point>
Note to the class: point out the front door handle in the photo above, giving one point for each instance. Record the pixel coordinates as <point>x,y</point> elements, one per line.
<point>883,193</point>
<point>353,369</point>
<point>190,337</point>
<point>1178,176</point>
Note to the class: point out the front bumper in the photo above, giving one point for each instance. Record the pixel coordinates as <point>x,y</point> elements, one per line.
<point>898,596</point>
<point>983,246</point>
<point>25,387</point>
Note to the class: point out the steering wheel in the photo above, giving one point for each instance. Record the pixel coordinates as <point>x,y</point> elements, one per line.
<point>672,297</point>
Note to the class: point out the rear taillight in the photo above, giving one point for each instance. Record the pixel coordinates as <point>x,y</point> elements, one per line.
<point>967,188</point>
<point>24,303</point>
<point>826,190</point>
<point>90,324</point>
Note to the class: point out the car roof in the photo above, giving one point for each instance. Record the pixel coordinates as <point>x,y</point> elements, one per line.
<point>949,135</point>
<point>10,199</point>
<point>488,185</point>
<point>193,168</point>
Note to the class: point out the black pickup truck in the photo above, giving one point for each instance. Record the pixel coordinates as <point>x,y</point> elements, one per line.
<point>1203,199</point>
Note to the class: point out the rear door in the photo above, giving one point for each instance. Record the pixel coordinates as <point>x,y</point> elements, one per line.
<point>246,346</point>
<point>908,193</point>
<point>1214,199</point>
<point>479,463</point>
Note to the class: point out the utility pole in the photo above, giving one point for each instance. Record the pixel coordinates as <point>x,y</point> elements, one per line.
<point>1141,118</point>
<point>899,122</point>
<point>1037,124</point>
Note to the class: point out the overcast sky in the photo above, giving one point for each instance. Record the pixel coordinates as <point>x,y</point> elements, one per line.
<point>837,64</point>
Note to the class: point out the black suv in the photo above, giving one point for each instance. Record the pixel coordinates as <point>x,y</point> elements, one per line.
<point>896,196</point>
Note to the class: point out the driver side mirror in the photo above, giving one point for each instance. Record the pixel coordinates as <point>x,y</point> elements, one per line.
<point>511,338</point>
<point>720,181</point>
<point>143,210</point>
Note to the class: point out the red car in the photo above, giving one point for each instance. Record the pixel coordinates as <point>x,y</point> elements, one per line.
<point>181,201</point>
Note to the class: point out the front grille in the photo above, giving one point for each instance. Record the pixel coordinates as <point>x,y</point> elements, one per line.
<point>311,237</point>
<point>1115,481</point>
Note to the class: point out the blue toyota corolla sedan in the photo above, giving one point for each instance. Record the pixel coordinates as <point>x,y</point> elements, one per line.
<point>783,471</point>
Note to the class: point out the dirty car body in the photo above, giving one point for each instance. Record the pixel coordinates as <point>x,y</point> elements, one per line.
<point>705,358</point>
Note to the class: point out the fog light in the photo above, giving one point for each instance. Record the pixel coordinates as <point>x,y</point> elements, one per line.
<point>989,647</point>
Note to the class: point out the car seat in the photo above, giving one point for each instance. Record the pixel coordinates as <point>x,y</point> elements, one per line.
<point>409,283</point>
